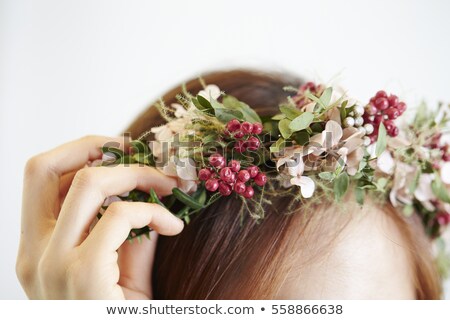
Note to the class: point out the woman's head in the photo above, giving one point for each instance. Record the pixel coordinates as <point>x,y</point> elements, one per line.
<point>224,255</point>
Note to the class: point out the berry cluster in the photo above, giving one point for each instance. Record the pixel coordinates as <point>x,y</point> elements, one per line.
<point>244,134</point>
<point>226,179</point>
<point>383,109</point>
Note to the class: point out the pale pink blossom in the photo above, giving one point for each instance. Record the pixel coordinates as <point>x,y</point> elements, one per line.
<point>294,168</point>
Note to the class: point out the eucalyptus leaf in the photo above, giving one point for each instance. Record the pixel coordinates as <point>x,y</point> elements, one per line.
<point>248,114</point>
<point>326,176</point>
<point>359,195</point>
<point>301,122</point>
<point>284,127</point>
<point>279,116</point>
<point>325,98</point>
<point>340,186</point>
<point>290,112</point>
<point>381,141</point>
<point>277,145</point>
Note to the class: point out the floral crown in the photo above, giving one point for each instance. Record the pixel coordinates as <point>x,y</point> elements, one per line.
<point>320,142</point>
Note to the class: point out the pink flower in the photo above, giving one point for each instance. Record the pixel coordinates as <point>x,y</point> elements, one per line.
<point>339,146</point>
<point>294,168</point>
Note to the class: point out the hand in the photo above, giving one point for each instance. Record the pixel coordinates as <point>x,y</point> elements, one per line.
<point>58,258</point>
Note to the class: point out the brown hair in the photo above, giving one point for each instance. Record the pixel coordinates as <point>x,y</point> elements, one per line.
<point>218,256</point>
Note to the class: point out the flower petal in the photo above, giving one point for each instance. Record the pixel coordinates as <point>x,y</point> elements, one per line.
<point>386,163</point>
<point>332,134</point>
<point>307,186</point>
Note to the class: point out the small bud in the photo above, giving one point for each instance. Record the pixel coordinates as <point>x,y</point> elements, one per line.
<point>349,122</point>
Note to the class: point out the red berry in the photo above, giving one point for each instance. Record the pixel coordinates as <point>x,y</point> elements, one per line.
<point>249,192</point>
<point>381,103</point>
<point>260,179</point>
<point>253,143</point>
<point>227,175</point>
<point>204,174</point>
<point>377,120</point>
<point>401,107</point>
<point>389,125</point>
<point>235,165</point>
<point>240,187</point>
<point>393,100</point>
<point>443,218</point>
<point>394,132</point>
<point>257,128</point>
<point>238,134</point>
<point>224,188</point>
<point>253,170</point>
<point>381,94</point>
<point>217,160</point>
<point>244,175</point>
<point>373,138</point>
<point>212,185</point>
<point>392,113</point>
<point>239,146</point>
<point>446,157</point>
<point>233,125</point>
<point>246,127</point>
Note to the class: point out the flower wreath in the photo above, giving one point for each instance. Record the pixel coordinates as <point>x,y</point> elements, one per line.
<point>321,142</point>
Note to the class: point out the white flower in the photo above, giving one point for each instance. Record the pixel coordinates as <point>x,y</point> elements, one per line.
<point>386,163</point>
<point>184,170</point>
<point>445,172</point>
<point>294,167</point>
<point>210,91</point>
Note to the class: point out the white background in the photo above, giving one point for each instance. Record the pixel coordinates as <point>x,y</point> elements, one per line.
<point>71,68</point>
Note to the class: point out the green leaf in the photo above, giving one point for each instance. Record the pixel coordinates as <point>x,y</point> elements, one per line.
<point>343,113</point>
<point>439,189</point>
<point>284,126</point>
<point>186,199</point>
<point>381,183</point>
<point>248,114</point>
<point>277,145</point>
<point>415,182</point>
<point>272,128</point>
<point>225,115</point>
<point>302,121</point>
<point>154,198</point>
<point>325,98</point>
<point>381,141</point>
<point>290,112</point>
<point>301,137</point>
<point>340,186</point>
<point>115,151</point>
<point>140,147</point>
<point>204,102</point>
<point>279,116</point>
<point>326,176</point>
<point>359,195</point>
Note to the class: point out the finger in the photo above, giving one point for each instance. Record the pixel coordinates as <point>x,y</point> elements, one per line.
<point>40,202</point>
<point>64,184</point>
<point>136,264</point>
<point>120,217</point>
<point>89,189</point>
